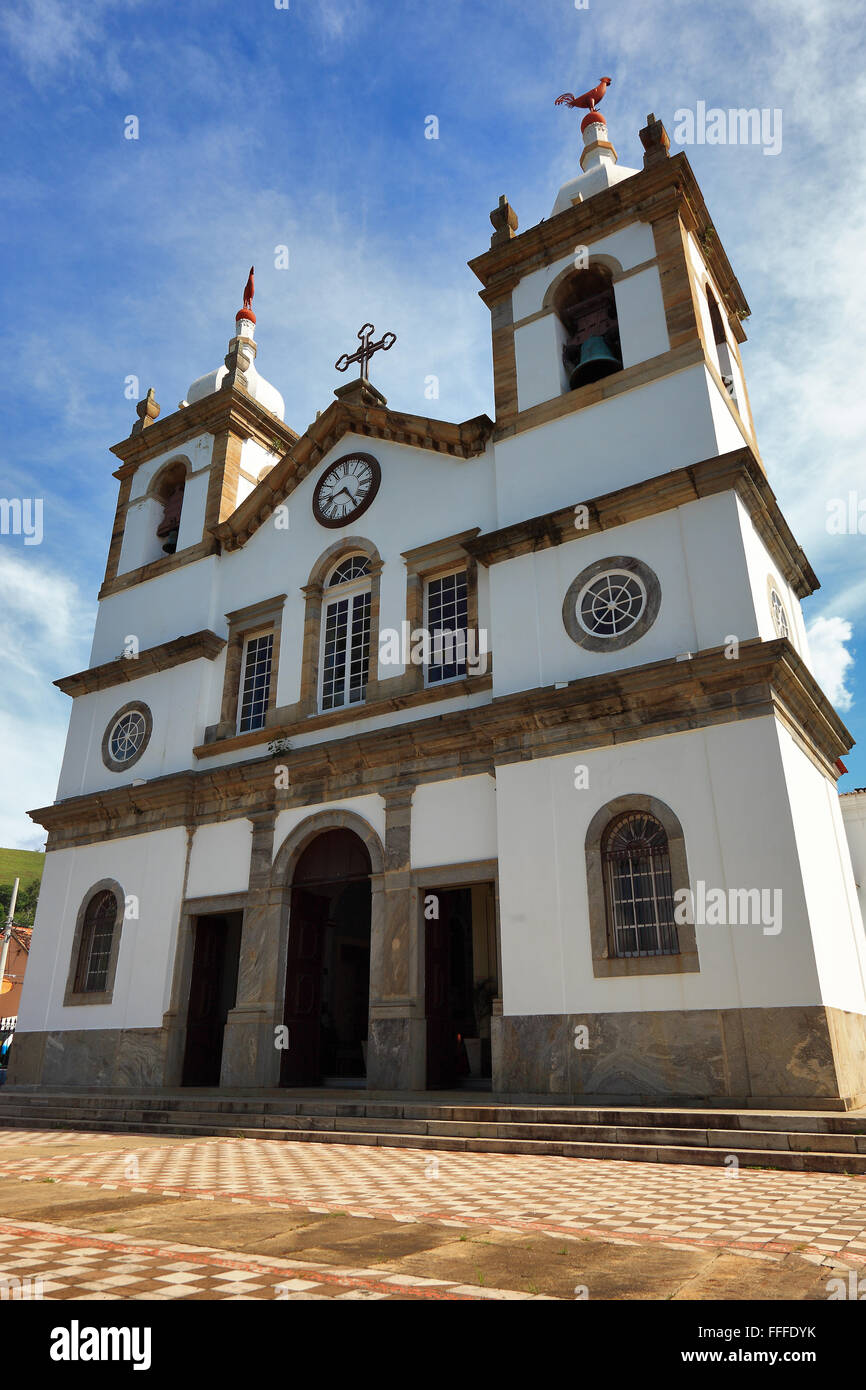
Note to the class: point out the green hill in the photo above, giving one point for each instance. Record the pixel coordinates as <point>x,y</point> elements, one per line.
<point>26,864</point>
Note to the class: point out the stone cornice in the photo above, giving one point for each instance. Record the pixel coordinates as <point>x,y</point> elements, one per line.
<point>231,409</point>
<point>664,697</point>
<point>669,186</point>
<point>197,644</point>
<point>344,417</point>
<point>737,471</point>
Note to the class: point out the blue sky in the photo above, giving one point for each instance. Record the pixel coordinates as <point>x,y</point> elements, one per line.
<point>304,127</point>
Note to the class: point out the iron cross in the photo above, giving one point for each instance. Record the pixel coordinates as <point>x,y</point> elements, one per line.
<point>366,350</point>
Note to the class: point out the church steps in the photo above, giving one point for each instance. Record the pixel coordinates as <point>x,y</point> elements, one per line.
<point>801,1142</point>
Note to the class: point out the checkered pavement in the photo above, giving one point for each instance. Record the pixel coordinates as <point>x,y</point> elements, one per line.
<point>56,1262</point>
<point>765,1213</point>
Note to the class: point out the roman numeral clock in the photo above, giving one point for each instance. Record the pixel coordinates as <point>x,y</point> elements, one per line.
<point>346,489</point>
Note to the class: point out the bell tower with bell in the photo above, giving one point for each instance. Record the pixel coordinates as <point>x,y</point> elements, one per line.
<point>617,318</point>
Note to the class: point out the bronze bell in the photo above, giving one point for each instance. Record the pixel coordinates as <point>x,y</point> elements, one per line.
<point>595,361</point>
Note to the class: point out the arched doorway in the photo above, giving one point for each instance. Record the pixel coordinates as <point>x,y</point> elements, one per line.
<point>328,963</point>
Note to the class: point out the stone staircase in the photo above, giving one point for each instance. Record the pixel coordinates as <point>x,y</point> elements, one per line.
<point>804,1141</point>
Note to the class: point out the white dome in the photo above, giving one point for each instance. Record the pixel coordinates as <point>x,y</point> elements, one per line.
<point>600,169</point>
<point>260,390</point>
<point>594,180</point>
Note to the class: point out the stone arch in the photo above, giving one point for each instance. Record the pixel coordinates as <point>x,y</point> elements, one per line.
<point>74,995</point>
<point>297,840</point>
<point>346,545</point>
<point>604,962</point>
<point>156,486</point>
<point>282,875</point>
<point>595,258</point>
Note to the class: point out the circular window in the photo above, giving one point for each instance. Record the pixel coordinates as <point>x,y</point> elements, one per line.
<point>126,737</point>
<point>611,603</point>
<point>780,617</point>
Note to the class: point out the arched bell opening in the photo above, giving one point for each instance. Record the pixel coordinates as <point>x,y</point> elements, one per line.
<point>169,492</point>
<point>720,339</point>
<point>585,305</point>
<point>327,995</point>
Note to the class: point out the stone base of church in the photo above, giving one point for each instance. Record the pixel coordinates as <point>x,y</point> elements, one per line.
<point>105,1057</point>
<point>809,1056</point>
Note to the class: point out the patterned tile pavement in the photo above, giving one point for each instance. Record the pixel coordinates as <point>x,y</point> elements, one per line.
<point>765,1213</point>
<point>56,1262</point>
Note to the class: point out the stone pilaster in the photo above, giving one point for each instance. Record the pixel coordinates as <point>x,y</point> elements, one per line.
<point>396,1052</point>
<point>250,1057</point>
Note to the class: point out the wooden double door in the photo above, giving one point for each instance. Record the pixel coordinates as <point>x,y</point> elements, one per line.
<point>328,964</point>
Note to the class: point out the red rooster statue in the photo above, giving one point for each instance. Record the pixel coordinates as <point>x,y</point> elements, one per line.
<point>250,289</point>
<point>589,100</point>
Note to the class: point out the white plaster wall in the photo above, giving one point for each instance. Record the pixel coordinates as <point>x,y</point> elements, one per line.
<point>625,439</point>
<point>759,565</point>
<point>853,808</point>
<point>158,610</point>
<point>148,867</point>
<point>705,596</point>
<point>731,431</point>
<point>640,313</point>
<point>220,859</point>
<point>538,356</point>
<point>828,877</point>
<point>454,822</point>
<point>178,700</point>
<point>726,784</point>
<point>140,544</point>
<point>370,808</point>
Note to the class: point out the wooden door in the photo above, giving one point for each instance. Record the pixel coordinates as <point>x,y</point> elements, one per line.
<point>213,989</point>
<point>301,1061</point>
<point>437,973</point>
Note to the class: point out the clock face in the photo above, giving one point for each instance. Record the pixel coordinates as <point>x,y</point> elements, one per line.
<point>346,489</point>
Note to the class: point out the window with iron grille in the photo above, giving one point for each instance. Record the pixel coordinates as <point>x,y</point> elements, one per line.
<point>447,607</point>
<point>638,890</point>
<point>100,919</point>
<point>256,683</point>
<point>346,636</point>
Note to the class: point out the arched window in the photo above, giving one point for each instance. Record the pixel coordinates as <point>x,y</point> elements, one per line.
<point>169,492</point>
<point>95,948</point>
<point>346,633</point>
<point>723,352</point>
<point>638,891</point>
<point>586,308</point>
<point>637,874</point>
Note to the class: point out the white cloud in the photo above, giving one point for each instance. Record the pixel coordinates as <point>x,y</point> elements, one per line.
<point>44,633</point>
<point>52,39</point>
<point>831,658</point>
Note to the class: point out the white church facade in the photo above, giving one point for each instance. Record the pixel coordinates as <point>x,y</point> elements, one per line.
<point>589,844</point>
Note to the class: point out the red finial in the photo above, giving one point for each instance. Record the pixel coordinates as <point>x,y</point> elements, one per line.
<point>247,311</point>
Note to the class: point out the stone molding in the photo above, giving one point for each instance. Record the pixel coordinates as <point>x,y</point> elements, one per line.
<point>203,644</point>
<point>738,471</point>
<point>464,441</point>
<point>662,697</point>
